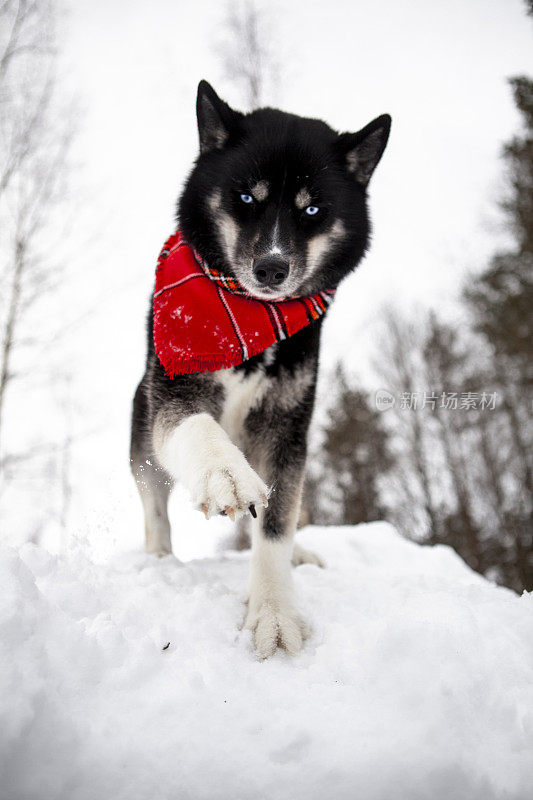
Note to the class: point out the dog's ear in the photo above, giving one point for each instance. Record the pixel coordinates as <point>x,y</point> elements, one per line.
<point>216,120</point>
<point>362,151</point>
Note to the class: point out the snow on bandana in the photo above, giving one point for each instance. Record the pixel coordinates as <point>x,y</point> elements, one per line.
<point>205,321</point>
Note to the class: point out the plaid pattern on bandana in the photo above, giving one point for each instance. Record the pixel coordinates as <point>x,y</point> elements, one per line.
<point>227,281</point>
<point>205,320</point>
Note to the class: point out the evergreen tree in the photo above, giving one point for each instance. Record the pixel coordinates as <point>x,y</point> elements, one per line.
<point>354,454</point>
<point>501,298</point>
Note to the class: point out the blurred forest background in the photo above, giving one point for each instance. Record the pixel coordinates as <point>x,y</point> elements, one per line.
<point>434,434</point>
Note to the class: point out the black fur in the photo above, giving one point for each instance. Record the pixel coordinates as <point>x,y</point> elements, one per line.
<point>288,152</point>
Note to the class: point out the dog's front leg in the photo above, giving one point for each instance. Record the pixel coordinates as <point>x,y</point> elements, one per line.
<point>272,613</point>
<point>199,453</point>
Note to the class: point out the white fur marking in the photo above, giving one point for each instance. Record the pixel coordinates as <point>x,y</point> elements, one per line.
<point>242,393</point>
<point>214,200</point>
<point>303,198</point>
<point>229,232</point>
<point>275,235</point>
<point>270,355</point>
<point>227,227</point>
<point>260,191</point>
<point>320,245</point>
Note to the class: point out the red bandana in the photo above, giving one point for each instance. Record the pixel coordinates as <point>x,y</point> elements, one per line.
<point>204,320</point>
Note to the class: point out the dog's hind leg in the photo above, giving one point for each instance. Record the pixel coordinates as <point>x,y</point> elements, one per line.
<point>242,536</point>
<point>153,483</point>
<point>154,488</point>
<point>302,556</point>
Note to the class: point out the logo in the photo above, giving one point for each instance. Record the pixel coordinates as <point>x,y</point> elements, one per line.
<point>384,400</point>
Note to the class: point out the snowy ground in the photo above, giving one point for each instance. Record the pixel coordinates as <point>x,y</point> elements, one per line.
<point>417,682</point>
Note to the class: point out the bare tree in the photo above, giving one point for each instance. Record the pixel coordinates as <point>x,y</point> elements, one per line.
<point>457,460</point>
<point>248,52</point>
<point>36,132</point>
<point>400,369</point>
<point>35,135</point>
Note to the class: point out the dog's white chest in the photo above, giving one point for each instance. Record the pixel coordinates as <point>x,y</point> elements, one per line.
<point>242,394</point>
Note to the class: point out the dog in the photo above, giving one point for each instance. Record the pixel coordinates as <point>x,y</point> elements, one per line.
<point>277,202</point>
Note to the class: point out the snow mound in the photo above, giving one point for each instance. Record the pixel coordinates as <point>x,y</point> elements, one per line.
<point>416,683</point>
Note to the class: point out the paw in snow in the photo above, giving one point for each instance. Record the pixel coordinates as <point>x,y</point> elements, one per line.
<point>229,484</point>
<point>302,556</point>
<point>157,549</point>
<point>276,625</point>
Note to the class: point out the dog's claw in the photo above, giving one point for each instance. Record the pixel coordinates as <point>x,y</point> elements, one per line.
<point>252,510</point>
<point>231,513</point>
<point>264,498</point>
<point>205,510</point>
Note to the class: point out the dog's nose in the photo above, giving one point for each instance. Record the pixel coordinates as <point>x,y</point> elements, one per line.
<point>270,271</point>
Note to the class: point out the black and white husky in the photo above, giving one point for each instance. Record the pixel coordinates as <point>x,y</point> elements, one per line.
<point>280,203</point>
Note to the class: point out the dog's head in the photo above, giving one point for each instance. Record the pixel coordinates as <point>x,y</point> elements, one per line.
<point>279,201</point>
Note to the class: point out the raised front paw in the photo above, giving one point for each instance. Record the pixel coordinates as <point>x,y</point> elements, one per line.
<point>229,485</point>
<point>276,625</point>
<point>200,454</point>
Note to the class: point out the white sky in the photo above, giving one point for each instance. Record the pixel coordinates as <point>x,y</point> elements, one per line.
<point>439,68</point>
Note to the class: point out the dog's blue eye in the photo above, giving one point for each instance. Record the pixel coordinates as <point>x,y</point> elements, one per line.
<point>247,198</point>
<point>311,210</point>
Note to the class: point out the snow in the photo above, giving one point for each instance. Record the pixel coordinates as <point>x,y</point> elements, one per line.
<point>417,681</point>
